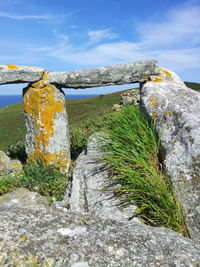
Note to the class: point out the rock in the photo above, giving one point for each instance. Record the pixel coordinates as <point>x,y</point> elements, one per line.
<point>8,165</point>
<point>45,236</point>
<point>91,189</point>
<point>104,76</point>
<point>4,161</point>
<point>176,110</point>
<point>19,74</point>
<point>131,97</point>
<point>47,124</point>
<point>116,107</point>
<point>22,197</point>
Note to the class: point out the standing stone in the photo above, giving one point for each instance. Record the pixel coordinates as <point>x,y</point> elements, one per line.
<point>47,125</point>
<point>176,110</point>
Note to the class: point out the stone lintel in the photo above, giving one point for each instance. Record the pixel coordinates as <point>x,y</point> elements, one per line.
<point>19,74</point>
<point>104,76</point>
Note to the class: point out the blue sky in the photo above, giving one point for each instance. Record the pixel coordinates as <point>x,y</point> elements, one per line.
<point>77,34</point>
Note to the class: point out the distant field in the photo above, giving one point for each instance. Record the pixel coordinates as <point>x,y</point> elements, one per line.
<point>12,124</point>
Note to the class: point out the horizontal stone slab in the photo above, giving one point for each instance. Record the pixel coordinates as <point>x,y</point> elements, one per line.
<point>20,74</point>
<point>104,76</point>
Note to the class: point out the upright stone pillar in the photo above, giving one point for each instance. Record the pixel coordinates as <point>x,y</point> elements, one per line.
<point>47,125</point>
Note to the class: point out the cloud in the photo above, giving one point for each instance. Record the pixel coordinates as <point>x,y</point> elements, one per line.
<point>39,18</point>
<point>180,26</point>
<point>173,40</point>
<point>98,36</point>
<point>25,17</point>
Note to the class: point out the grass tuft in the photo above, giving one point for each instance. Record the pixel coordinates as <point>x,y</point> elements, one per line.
<point>131,158</point>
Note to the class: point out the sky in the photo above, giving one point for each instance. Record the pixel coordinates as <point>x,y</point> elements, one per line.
<point>61,35</point>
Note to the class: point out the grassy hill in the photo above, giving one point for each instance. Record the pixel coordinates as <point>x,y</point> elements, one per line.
<point>79,111</point>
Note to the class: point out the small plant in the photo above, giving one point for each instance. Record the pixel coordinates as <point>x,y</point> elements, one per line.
<point>17,151</point>
<point>9,182</point>
<point>131,158</point>
<point>46,180</point>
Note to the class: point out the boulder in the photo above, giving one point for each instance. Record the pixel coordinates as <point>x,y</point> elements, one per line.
<point>8,165</point>
<point>22,197</point>
<point>45,236</point>
<point>92,188</point>
<point>176,110</point>
<point>131,97</point>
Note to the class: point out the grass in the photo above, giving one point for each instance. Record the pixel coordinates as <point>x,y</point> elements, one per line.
<point>132,159</point>
<point>36,176</point>
<point>79,112</point>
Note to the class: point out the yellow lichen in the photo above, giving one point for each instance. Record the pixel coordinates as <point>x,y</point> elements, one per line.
<point>154,115</point>
<point>157,80</point>
<point>40,104</point>
<point>12,67</point>
<point>23,238</point>
<point>25,191</point>
<point>153,104</point>
<point>168,113</point>
<point>152,99</point>
<point>165,72</point>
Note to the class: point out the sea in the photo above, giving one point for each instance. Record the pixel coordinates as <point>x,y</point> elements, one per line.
<point>6,100</point>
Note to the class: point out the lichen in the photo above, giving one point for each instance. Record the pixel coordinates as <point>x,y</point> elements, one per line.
<point>12,67</point>
<point>154,115</point>
<point>41,105</point>
<point>168,113</point>
<point>157,80</point>
<point>165,72</point>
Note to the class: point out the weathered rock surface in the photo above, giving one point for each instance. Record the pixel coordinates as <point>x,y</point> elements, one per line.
<point>45,236</point>
<point>47,124</point>
<point>176,110</point>
<point>19,74</point>
<point>104,76</point>
<point>91,189</point>
<point>7,165</point>
<point>131,97</point>
<point>22,197</point>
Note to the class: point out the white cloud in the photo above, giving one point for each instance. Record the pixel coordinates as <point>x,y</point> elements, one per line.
<point>98,36</point>
<point>25,17</point>
<point>173,40</point>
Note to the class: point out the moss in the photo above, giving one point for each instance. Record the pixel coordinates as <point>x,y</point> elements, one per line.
<point>12,67</point>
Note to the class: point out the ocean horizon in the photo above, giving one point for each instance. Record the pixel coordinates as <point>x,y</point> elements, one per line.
<point>6,100</point>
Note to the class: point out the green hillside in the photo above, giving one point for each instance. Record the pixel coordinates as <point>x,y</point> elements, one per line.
<point>79,111</point>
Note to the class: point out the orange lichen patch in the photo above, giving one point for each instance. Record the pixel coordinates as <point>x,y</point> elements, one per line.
<point>40,104</point>
<point>23,238</point>
<point>154,115</point>
<point>153,104</point>
<point>168,113</point>
<point>148,78</point>
<point>152,99</point>
<point>12,67</point>
<point>157,80</point>
<point>165,72</point>
<point>16,164</point>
